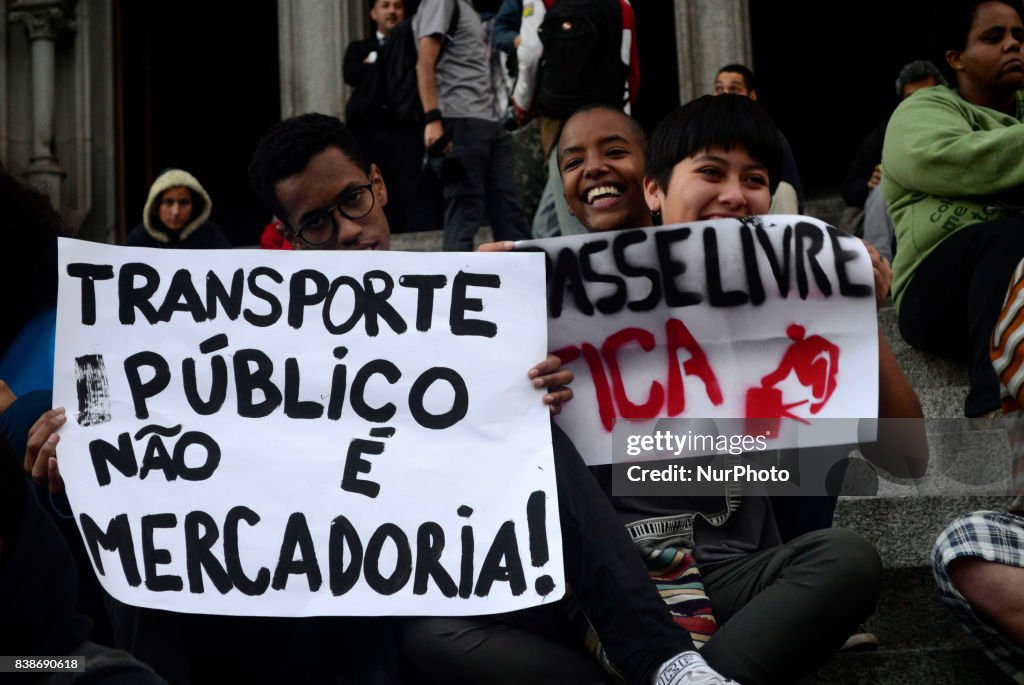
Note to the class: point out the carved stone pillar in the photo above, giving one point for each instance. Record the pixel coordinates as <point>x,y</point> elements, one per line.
<point>709,35</point>
<point>44,20</point>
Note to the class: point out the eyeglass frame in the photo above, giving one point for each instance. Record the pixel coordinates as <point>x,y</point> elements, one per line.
<point>329,213</point>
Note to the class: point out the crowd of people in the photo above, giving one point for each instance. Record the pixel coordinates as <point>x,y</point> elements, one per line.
<point>772,589</point>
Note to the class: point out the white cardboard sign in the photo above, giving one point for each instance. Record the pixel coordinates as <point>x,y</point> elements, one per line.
<point>768,318</point>
<point>297,434</point>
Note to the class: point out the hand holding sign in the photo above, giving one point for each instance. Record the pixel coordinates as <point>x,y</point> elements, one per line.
<point>882,272</point>
<point>552,375</point>
<point>41,450</point>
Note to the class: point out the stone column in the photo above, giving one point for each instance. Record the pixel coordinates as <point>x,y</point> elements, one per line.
<point>44,20</point>
<point>709,34</point>
<point>313,35</point>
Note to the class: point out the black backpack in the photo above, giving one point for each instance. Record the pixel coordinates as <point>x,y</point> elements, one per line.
<point>581,63</point>
<point>389,94</point>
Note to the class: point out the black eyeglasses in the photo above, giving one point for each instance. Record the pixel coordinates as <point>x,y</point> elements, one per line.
<point>354,204</point>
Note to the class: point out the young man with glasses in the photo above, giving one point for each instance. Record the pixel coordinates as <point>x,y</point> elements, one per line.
<point>310,173</point>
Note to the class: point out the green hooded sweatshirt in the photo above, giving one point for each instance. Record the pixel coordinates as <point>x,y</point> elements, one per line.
<point>945,165</point>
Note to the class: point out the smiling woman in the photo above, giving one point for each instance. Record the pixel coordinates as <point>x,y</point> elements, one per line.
<point>716,157</point>
<point>601,160</point>
<point>952,174</point>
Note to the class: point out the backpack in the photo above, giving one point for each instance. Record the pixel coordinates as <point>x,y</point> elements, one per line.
<point>389,95</point>
<point>581,63</point>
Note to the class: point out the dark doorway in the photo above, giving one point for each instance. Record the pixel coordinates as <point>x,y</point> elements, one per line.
<point>198,84</point>
<point>827,71</point>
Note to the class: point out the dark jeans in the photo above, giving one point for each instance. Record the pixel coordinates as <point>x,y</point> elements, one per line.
<point>479,185</point>
<point>797,515</point>
<point>783,612</point>
<point>534,646</point>
<point>955,297</point>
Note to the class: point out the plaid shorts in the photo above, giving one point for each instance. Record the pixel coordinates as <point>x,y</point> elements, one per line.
<point>993,536</point>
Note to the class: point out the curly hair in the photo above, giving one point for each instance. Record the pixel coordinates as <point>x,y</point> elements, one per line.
<point>286,148</point>
<point>28,279</point>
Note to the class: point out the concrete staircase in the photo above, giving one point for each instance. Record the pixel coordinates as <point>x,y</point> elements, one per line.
<point>969,470</point>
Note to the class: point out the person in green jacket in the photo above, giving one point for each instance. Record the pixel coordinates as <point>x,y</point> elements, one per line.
<point>953,176</point>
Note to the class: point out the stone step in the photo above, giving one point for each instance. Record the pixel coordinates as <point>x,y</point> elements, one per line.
<point>903,529</point>
<point>431,241</point>
<point>942,402</point>
<point>932,665</point>
<point>910,616</point>
<point>962,462</point>
<point>924,370</point>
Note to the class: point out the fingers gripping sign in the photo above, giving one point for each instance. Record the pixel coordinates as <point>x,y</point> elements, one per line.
<point>550,374</point>
<point>41,450</point>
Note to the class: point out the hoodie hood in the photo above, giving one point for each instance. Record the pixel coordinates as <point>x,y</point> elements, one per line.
<point>173,178</point>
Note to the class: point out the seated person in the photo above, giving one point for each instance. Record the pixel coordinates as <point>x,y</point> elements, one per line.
<point>951,176</point>
<point>38,592</point>
<point>28,281</point>
<point>713,158</point>
<point>977,559</point>
<point>861,190</point>
<point>308,170</point>
<point>177,214</point>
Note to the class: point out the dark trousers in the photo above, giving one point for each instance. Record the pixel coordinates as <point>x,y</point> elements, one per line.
<point>414,196</point>
<point>534,646</point>
<point>783,612</point>
<point>955,297</point>
<point>480,187</point>
<point>196,649</point>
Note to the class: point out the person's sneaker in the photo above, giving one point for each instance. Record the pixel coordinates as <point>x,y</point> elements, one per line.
<point>860,642</point>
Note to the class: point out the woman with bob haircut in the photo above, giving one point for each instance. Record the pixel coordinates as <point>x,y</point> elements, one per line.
<point>783,606</point>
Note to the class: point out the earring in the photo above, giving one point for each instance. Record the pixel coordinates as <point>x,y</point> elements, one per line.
<point>656,215</point>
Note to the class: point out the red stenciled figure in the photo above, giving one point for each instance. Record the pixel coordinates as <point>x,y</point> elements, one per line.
<point>816,363</point>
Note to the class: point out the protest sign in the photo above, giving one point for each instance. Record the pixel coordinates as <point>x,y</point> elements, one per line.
<point>293,434</point>
<point>763,323</point>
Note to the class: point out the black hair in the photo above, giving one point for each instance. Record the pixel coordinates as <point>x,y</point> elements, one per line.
<point>917,71</point>
<point>951,22</point>
<point>634,126</point>
<point>287,146</point>
<point>723,121</point>
<point>28,279</point>
<point>744,71</point>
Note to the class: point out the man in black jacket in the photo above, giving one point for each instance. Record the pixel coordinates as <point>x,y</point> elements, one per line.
<point>361,54</point>
<point>395,146</point>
